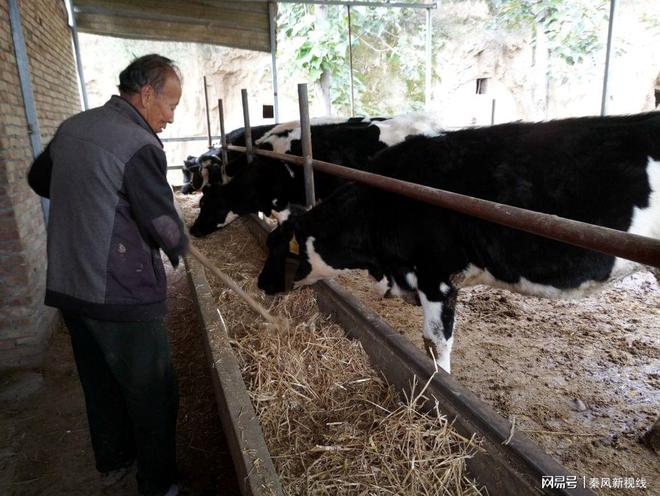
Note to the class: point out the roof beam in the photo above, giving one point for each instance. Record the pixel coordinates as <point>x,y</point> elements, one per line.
<point>233,24</point>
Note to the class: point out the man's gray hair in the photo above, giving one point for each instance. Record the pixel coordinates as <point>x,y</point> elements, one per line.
<point>150,70</point>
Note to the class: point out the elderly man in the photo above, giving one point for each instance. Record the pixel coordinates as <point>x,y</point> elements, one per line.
<point>111,212</point>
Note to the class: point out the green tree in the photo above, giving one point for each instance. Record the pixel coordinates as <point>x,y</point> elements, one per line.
<point>315,40</point>
<point>574,28</point>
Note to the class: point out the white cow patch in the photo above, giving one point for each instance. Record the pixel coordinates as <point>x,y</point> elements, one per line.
<point>280,128</point>
<point>323,121</point>
<point>231,217</point>
<point>433,331</point>
<point>395,130</point>
<point>473,275</point>
<point>396,290</point>
<point>320,269</point>
<point>411,279</point>
<point>645,221</point>
<point>381,287</point>
<point>281,215</point>
<point>282,144</point>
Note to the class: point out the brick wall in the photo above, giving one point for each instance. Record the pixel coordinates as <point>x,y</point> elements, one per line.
<point>25,323</point>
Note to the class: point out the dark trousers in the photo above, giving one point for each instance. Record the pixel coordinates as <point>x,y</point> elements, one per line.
<point>131,394</point>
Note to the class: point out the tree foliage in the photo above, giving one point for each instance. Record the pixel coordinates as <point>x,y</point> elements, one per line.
<point>574,28</point>
<point>314,40</point>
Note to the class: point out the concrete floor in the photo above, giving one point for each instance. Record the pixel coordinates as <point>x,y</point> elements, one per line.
<point>44,440</point>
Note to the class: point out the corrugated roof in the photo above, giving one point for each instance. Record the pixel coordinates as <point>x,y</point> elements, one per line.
<point>237,24</point>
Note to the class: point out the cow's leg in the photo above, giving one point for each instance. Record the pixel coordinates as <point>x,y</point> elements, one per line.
<point>439,304</point>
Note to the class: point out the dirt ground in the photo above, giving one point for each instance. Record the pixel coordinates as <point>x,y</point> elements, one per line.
<point>44,440</point>
<point>581,377</point>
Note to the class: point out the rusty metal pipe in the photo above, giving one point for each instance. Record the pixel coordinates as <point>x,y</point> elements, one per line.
<point>208,113</point>
<point>603,239</point>
<point>248,130</point>
<point>306,138</point>
<point>223,136</point>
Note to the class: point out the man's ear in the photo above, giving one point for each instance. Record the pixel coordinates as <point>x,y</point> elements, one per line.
<point>146,95</point>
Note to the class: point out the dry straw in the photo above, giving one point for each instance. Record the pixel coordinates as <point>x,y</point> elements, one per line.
<point>332,424</point>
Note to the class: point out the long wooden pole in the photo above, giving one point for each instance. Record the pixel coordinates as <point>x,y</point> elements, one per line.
<point>233,285</point>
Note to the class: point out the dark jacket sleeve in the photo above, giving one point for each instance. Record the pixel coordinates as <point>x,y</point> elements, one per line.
<point>40,172</point>
<point>152,203</point>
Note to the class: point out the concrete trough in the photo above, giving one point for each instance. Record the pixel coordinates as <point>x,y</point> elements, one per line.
<point>510,463</point>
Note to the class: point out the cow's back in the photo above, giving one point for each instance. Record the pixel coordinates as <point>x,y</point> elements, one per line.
<point>585,169</point>
<point>597,170</point>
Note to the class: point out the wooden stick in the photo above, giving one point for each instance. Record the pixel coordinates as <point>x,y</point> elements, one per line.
<point>231,284</point>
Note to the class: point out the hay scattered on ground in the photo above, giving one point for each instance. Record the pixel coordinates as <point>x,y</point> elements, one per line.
<point>332,424</point>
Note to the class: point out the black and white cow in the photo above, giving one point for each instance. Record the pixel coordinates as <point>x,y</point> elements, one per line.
<point>208,168</point>
<point>603,171</point>
<point>202,170</point>
<point>270,185</point>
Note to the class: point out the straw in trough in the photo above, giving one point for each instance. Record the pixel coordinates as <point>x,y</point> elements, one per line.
<point>332,424</point>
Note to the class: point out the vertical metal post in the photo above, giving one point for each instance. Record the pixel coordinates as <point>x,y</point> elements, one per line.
<point>223,137</point>
<point>248,130</point>
<point>350,59</point>
<point>208,113</point>
<point>429,61</point>
<point>26,88</point>
<point>306,137</point>
<point>76,47</point>
<point>272,23</point>
<point>608,53</point>
<point>492,112</point>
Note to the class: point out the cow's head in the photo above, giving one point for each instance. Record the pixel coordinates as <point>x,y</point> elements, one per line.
<point>200,171</point>
<point>260,187</point>
<point>211,170</point>
<point>287,260</point>
<point>192,176</point>
<point>214,210</point>
<point>317,244</point>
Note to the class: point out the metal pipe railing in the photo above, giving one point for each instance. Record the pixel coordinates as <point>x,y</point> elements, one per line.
<point>223,136</point>
<point>608,54</point>
<point>248,129</point>
<point>350,60</point>
<point>602,239</point>
<point>186,139</point>
<point>208,113</point>
<point>306,138</point>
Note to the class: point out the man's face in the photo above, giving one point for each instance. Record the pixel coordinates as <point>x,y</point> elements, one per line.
<point>158,108</point>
